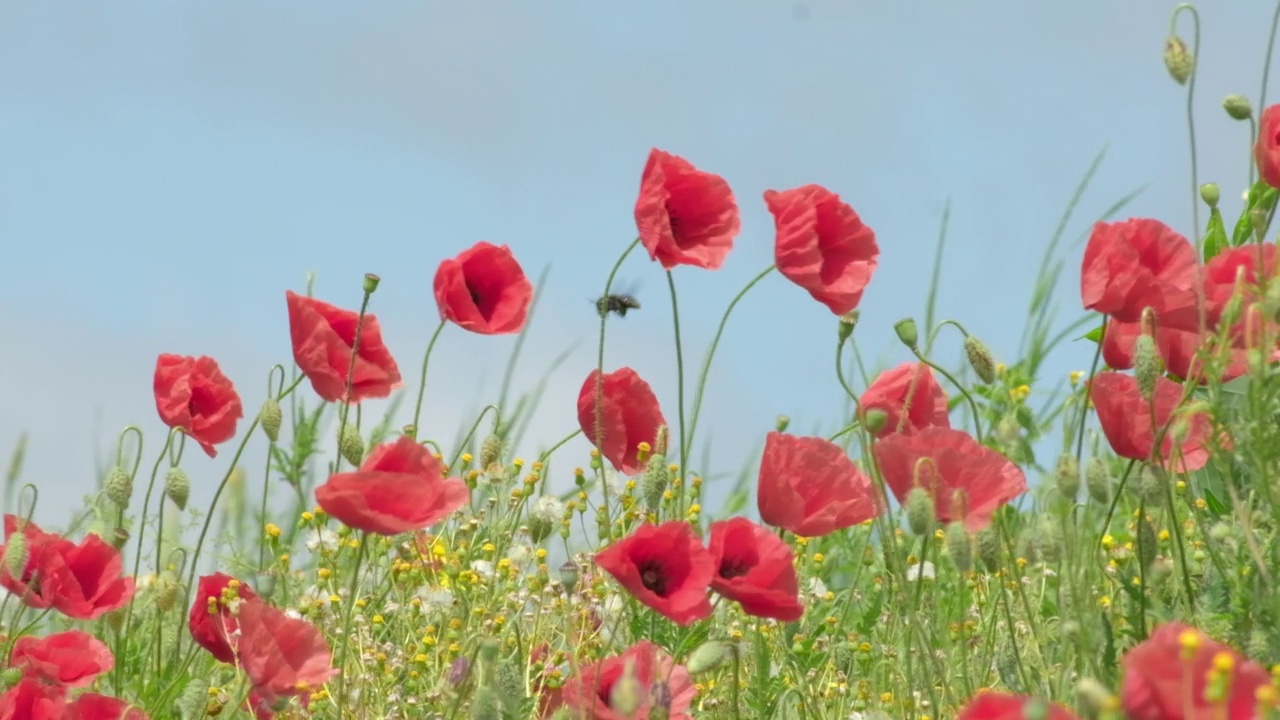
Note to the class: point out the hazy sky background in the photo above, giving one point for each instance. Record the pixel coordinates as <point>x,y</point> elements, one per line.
<point>168,170</point>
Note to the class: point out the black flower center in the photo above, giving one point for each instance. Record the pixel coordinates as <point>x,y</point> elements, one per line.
<point>730,569</point>
<point>676,224</point>
<point>653,578</point>
<point>475,296</point>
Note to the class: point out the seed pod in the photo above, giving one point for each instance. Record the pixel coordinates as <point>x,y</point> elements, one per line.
<point>907,333</point>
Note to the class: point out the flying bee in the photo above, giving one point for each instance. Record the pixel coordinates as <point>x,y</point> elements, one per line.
<point>619,304</point>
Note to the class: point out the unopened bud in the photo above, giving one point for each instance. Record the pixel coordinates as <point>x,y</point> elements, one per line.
<point>628,694</point>
<point>1097,480</point>
<point>177,487</point>
<point>1178,60</point>
<point>907,333</point>
<point>989,549</point>
<point>980,359</point>
<point>1068,476</point>
<point>959,546</point>
<point>1237,106</point>
<point>1146,542</point>
<point>1094,697</point>
<point>485,705</point>
<point>709,656</point>
<point>490,451</point>
<point>119,487</point>
<point>1151,484</point>
<point>661,441</point>
<point>167,591</point>
<point>271,418</point>
<point>15,555</point>
<point>351,445</point>
<point>458,671</point>
<point>1146,366</point>
<point>1210,194</point>
<point>781,423</point>
<point>920,511</point>
<point>654,481</point>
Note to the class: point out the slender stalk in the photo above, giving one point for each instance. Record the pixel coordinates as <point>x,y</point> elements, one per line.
<point>598,421</point>
<point>1191,120</point>
<point>684,446</point>
<point>422,377</point>
<point>346,626</point>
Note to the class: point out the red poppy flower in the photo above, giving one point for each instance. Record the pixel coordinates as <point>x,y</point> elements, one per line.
<point>756,569</point>
<point>31,699</point>
<point>1135,264</point>
<point>322,337</point>
<point>1221,272</point>
<point>92,706</point>
<point>85,581</point>
<point>888,393</point>
<point>685,216</point>
<point>629,415</point>
<point>809,486</point>
<point>665,567</point>
<point>1266,150</point>
<point>990,705</point>
<point>282,656</point>
<point>1166,675</point>
<point>1126,420</point>
<point>588,692</point>
<point>399,487</point>
<point>72,658</point>
<point>33,587</point>
<point>822,245</point>
<point>193,394</point>
<point>212,623</point>
<point>484,290</point>
<point>968,481</point>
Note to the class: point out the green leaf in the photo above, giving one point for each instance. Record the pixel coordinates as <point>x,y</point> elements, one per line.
<point>1215,505</point>
<point>1094,335</point>
<point>1261,195</point>
<point>1215,238</point>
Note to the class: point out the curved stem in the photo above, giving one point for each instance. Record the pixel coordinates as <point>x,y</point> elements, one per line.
<point>711,352</point>
<point>422,377</point>
<point>684,445</point>
<point>346,627</point>
<point>1191,122</point>
<point>146,505</point>
<point>973,405</point>
<point>597,422</point>
<point>137,455</point>
<point>1084,406</point>
<point>457,453</point>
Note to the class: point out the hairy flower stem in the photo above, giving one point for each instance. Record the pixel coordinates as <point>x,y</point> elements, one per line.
<point>737,685</point>
<point>1084,406</point>
<point>345,407</point>
<point>684,444</point>
<point>353,591</point>
<point>711,353</point>
<point>973,405</point>
<point>466,440</point>
<point>422,377</point>
<point>598,421</point>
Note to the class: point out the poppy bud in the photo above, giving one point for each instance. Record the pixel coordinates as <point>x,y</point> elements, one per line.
<point>271,418</point>
<point>539,528</point>
<point>1146,365</point>
<point>177,487</point>
<point>569,576</point>
<point>371,283</point>
<point>959,546</point>
<point>1210,194</point>
<point>1098,481</point>
<point>654,481</point>
<point>119,487</point>
<point>1178,59</point>
<point>509,684</point>
<point>874,419</point>
<point>782,423</point>
<point>351,445</point>
<point>710,655</point>
<point>907,333</point>
<point>1094,697</point>
<point>920,511</point>
<point>490,451</point>
<point>989,549</point>
<point>846,324</point>
<point>10,677</point>
<point>1237,106</point>
<point>1047,540</point>
<point>980,359</point>
<point>485,705</point>
<point>1151,484</point>
<point>627,694</point>
<point>1068,476</point>
<point>191,704</point>
<point>458,672</point>
<point>15,554</point>
<point>167,591</point>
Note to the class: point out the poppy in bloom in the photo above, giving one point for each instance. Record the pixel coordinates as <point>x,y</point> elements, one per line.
<point>323,335</point>
<point>1126,420</point>
<point>92,706</point>
<point>665,567</point>
<point>193,394</point>
<point>212,621</point>
<point>85,580</point>
<point>756,569</point>
<point>809,486</point>
<point>399,487</point>
<point>282,656</point>
<point>32,586</point>
<point>990,705</point>
<point>967,480</point>
<point>1167,676</point>
<point>685,216</point>
<point>629,415</point>
<point>484,290</point>
<point>1266,150</point>
<point>1135,264</point>
<point>822,245</point>
<point>32,699</point>
<point>72,658</point>
<point>663,682</point>
<point>889,392</point>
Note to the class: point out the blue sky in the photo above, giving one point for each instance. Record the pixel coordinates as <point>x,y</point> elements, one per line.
<point>168,170</point>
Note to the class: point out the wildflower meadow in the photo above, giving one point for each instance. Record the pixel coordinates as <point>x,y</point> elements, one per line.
<point>950,549</point>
